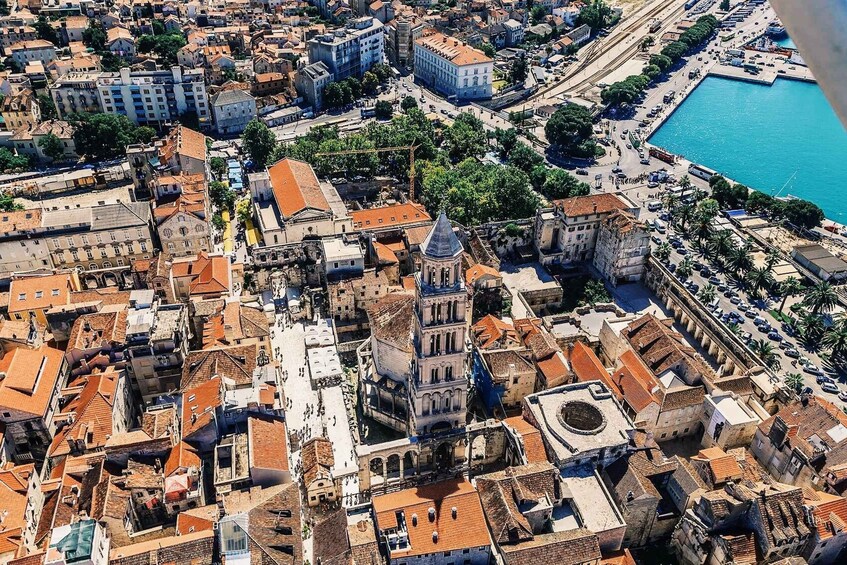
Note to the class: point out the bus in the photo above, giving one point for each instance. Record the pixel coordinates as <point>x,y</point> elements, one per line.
<point>368,112</point>
<point>669,96</point>
<point>659,225</point>
<point>700,171</point>
<point>654,206</point>
<point>662,155</point>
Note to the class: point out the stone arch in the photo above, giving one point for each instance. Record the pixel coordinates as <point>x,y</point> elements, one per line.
<point>436,402</point>
<point>377,467</point>
<point>410,463</point>
<point>444,456</point>
<point>392,466</point>
<point>478,447</point>
<point>457,397</point>
<point>447,401</point>
<point>426,403</point>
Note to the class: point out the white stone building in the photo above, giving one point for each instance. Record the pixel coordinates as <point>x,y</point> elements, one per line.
<point>453,68</point>
<point>623,244</point>
<point>233,110</point>
<point>350,51</point>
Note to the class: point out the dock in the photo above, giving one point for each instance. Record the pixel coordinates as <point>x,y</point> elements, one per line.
<point>767,76</point>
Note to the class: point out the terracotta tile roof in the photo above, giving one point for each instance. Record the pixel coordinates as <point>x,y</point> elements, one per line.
<point>276,533</point>
<point>452,49</point>
<point>14,483</point>
<point>296,188</point>
<point>268,447</point>
<point>115,33</point>
<point>38,292</point>
<point>163,547</point>
<point>392,319</point>
<point>94,330</point>
<point>20,220</point>
<point>466,530</point>
<point>622,557</point>
<point>384,255</point>
<point>585,364</point>
<point>389,216</point>
<point>83,481</point>
<point>661,348</point>
<point>181,456</point>
<point>236,363</point>
<point>184,141</point>
<point>722,467</point>
<point>817,418</point>
<point>199,404</point>
<point>316,460</point>
<point>532,441</point>
<point>193,205</point>
<point>830,513</point>
<point>31,376</point>
<point>92,398</point>
<point>493,333</point>
<point>478,271</point>
<point>591,204</point>
<point>234,323</point>
<point>197,519</point>
<point>110,296</point>
<point>208,274</point>
<point>159,423</point>
<point>569,547</point>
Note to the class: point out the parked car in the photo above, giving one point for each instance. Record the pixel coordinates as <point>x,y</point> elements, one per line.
<point>792,352</point>
<point>646,162</point>
<point>672,267</point>
<point>735,300</point>
<point>746,336</point>
<point>751,313</point>
<point>842,396</point>
<point>743,306</point>
<point>831,388</point>
<point>773,336</point>
<point>812,369</point>
<point>714,280</point>
<point>656,239</point>
<point>581,172</point>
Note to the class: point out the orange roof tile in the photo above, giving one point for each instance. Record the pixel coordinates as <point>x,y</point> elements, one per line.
<point>452,49</point>
<point>491,331</point>
<point>296,187</point>
<point>181,455</point>
<point>39,292</point>
<point>633,382</point>
<point>199,404</point>
<point>31,375</point>
<point>197,519</point>
<point>443,533</point>
<point>591,204</point>
<point>209,274</point>
<point>478,271</point>
<point>268,448</point>
<point>384,255</point>
<point>532,442</point>
<point>389,216</point>
<point>92,408</point>
<point>723,467</point>
<point>585,364</point>
<point>14,483</point>
<point>20,220</point>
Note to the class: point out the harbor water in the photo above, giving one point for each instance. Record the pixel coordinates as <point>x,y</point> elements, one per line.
<point>780,139</point>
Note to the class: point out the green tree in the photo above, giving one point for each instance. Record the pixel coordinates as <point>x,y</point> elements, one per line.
<point>94,36</point>
<point>382,72</point>
<point>675,51</point>
<point>47,108</point>
<point>661,61</point>
<point>383,109</point>
<point>144,134</point>
<point>595,292</point>
<point>835,340</point>
<point>7,202</point>
<point>707,293</point>
<point>223,197</point>
<point>243,211</point>
<point>537,13</point>
<point>218,166</point>
<point>625,91</point>
<point>720,245</point>
<point>44,30</point>
<point>518,70</point>
<point>794,381</point>
<point>685,267</point>
<point>103,136</point>
<point>647,42</point>
<point>218,222</point>
<point>465,137</point>
<point>524,157</point>
<point>259,143</point>
<point>759,202</point>
<point>10,162</point>
<point>333,95</point>
<point>739,260</point>
<point>803,213</point>
<point>506,140</point>
<point>407,103</point>
<point>569,127</point>
<point>369,83</point>
<point>595,15</point>
<point>760,279</point>
<point>791,286</point>
<point>167,46</point>
<point>52,146</point>
<point>561,184</point>
<point>663,252</point>
<point>765,352</point>
<point>811,328</point>
<point>724,5</point>
<point>489,50</point>
<point>820,297</point>
<point>652,72</point>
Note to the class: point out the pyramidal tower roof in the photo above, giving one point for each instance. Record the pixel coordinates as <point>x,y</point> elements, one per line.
<point>441,242</point>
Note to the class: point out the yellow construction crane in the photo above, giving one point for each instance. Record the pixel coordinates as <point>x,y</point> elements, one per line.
<point>409,148</point>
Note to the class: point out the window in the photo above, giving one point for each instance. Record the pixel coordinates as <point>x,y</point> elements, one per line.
<point>39,294</point>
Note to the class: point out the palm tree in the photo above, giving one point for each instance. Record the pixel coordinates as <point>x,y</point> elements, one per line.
<point>764,351</point>
<point>759,278</point>
<point>707,293</point>
<point>685,183</point>
<point>671,201</point>
<point>821,297</point>
<point>663,252</point>
<point>794,381</point>
<point>789,287</point>
<point>721,244</point>
<point>739,260</point>
<point>772,258</point>
<point>683,216</point>
<point>835,339</point>
<point>702,227</point>
<point>811,327</point>
<point>685,268</point>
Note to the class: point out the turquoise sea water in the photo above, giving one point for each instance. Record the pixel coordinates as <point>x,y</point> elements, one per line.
<point>761,135</point>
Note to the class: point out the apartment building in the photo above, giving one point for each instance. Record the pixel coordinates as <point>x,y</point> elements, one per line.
<point>349,51</point>
<point>111,235</point>
<point>453,68</point>
<point>76,92</point>
<point>182,151</point>
<point>20,111</point>
<point>155,97</point>
<point>568,232</point>
<point>311,81</point>
<point>27,52</point>
<point>21,247</point>
<point>403,31</point>
<point>233,110</point>
<point>16,34</point>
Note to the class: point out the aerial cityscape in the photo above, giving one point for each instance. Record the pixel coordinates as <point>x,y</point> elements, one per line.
<point>422,282</point>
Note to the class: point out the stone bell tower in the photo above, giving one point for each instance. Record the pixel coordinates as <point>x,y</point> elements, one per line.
<point>439,386</point>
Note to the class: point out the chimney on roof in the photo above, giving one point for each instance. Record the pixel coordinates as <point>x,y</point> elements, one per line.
<point>431,512</point>
<point>595,207</point>
<point>434,537</point>
<point>455,512</point>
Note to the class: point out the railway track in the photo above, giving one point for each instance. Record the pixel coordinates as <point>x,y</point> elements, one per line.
<point>597,48</point>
